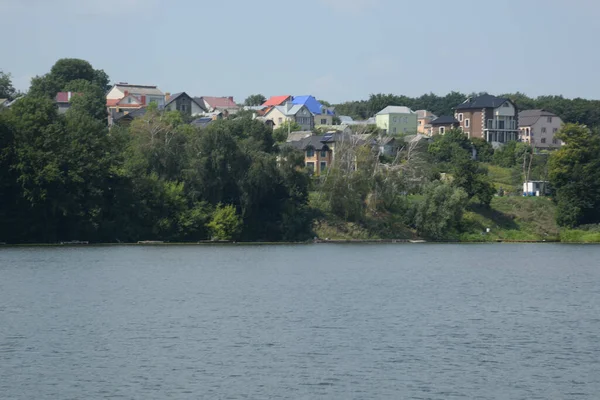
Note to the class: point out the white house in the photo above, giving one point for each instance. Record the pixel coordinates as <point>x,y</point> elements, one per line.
<point>539,127</point>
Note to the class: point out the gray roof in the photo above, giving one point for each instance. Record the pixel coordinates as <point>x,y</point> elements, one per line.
<point>444,120</point>
<point>140,112</point>
<point>425,114</point>
<point>140,89</point>
<point>530,117</point>
<point>483,101</point>
<point>395,110</point>
<point>298,135</point>
<point>316,142</point>
<point>293,110</point>
<point>202,122</point>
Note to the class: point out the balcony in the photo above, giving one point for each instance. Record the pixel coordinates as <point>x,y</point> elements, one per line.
<point>501,125</point>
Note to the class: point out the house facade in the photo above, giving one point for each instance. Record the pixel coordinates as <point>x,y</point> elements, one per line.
<point>183,103</point>
<point>291,113</point>
<point>321,114</point>
<point>492,118</point>
<point>140,94</point>
<point>539,128</point>
<point>396,120</point>
<point>318,155</point>
<point>424,119</point>
<point>441,125</point>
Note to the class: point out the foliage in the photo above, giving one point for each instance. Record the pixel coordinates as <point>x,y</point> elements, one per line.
<point>453,144</point>
<point>280,134</point>
<point>225,224</point>
<point>472,177</point>
<point>439,214</point>
<point>484,149</point>
<point>574,173</point>
<point>7,90</point>
<point>255,100</point>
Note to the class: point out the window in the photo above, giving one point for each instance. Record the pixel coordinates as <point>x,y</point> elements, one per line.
<point>500,124</point>
<point>460,117</point>
<point>129,100</point>
<point>420,122</point>
<point>544,129</point>
<point>554,130</point>
<point>555,141</point>
<point>310,152</point>
<point>406,120</point>
<point>442,130</point>
<point>549,120</point>
<point>323,153</point>
<point>280,120</point>
<point>395,119</point>
<point>183,107</point>
<point>323,121</point>
<point>467,123</point>
<point>506,105</point>
<point>395,130</point>
<point>543,140</point>
<point>310,166</point>
<point>323,166</point>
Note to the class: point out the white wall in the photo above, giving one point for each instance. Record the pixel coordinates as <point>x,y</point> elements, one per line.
<point>115,94</point>
<point>505,111</point>
<point>536,129</point>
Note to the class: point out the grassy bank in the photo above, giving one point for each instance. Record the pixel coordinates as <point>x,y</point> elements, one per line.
<point>511,218</point>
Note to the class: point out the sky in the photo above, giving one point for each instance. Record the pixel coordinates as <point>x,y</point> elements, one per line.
<point>336,50</point>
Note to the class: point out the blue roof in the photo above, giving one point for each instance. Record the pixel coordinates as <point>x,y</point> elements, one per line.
<point>310,102</point>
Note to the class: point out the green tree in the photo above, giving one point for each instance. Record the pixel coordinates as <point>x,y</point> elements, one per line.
<point>62,73</point>
<point>472,177</point>
<point>7,90</point>
<point>452,144</point>
<point>255,100</point>
<point>280,134</point>
<point>485,151</point>
<point>225,224</point>
<point>439,214</point>
<point>575,176</point>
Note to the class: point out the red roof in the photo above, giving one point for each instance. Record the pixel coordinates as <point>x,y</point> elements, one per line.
<point>276,100</point>
<point>112,102</point>
<point>65,97</point>
<point>220,102</point>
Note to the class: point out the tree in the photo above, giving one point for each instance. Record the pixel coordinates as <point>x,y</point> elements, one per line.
<point>484,149</point>
<point>280,134</point>
<point>472,177</point>
<point>452,144</point>
<point>440,212</point>
<point>574,173</point>
<point>225,223</point>
<point>255,100</point>
<point>7,90</point>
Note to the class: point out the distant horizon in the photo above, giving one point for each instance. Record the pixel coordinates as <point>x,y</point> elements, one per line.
<point>240,48</point>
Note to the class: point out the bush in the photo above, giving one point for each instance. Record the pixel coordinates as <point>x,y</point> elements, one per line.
<point>225,224</point>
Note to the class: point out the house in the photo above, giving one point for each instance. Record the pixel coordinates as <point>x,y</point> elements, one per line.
<point>291,112</point>
<point>277,100</point>
<point>396,120</point>
<point>322,115</point>
<point>63,100</point>
<point>122,94</point>
<point>269,123</point>
<point>224,104</point>
<point>539,127</point>
<point>536,188</point>
<point>318,154</point>
<point>184,103</point>
<point>492,118</point>
<point>442,124</point>
<point>424,119</point>
<point>386,145</point>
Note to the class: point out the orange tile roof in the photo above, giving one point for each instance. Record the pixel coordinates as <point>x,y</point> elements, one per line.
<point>276,100</point>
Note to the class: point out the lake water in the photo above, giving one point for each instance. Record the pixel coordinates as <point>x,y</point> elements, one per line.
<point>398,321</point>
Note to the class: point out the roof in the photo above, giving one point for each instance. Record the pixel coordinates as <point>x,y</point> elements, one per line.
<point>65,97</point>
<point>312,104</point>
<point>140,112</point>
<point>139,89</point>
<point>298,135</point>
<point>293,110</point>
<point>276,100</point>
<point>177,95</point>
<point>317,142</point>
<point>530,117</point>
<point>444,120</point>
<point>2,101</point>
<point>395,110</point>
<point>483,101</point>
<point>202,122</point>
<point>218,102</point>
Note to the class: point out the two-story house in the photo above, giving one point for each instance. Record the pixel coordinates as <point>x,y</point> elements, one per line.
<point>318,155</point>
<point>183,103</point>
<point>397,120</point>
<point>539,127</point>
<point>424,119</point>
<point>492,118</point>
<point>291,112</point>
<point>123,94</point>
<point>322,115</point>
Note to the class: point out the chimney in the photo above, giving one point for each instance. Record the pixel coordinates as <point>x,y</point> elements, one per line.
<point>126,93</point>
<point>230,98</point>
<point>167,97</point>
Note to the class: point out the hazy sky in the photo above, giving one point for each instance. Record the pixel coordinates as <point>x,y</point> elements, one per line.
<point>336,50</point>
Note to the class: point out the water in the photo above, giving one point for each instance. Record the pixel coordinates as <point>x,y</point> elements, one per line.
<point>305,322</point>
